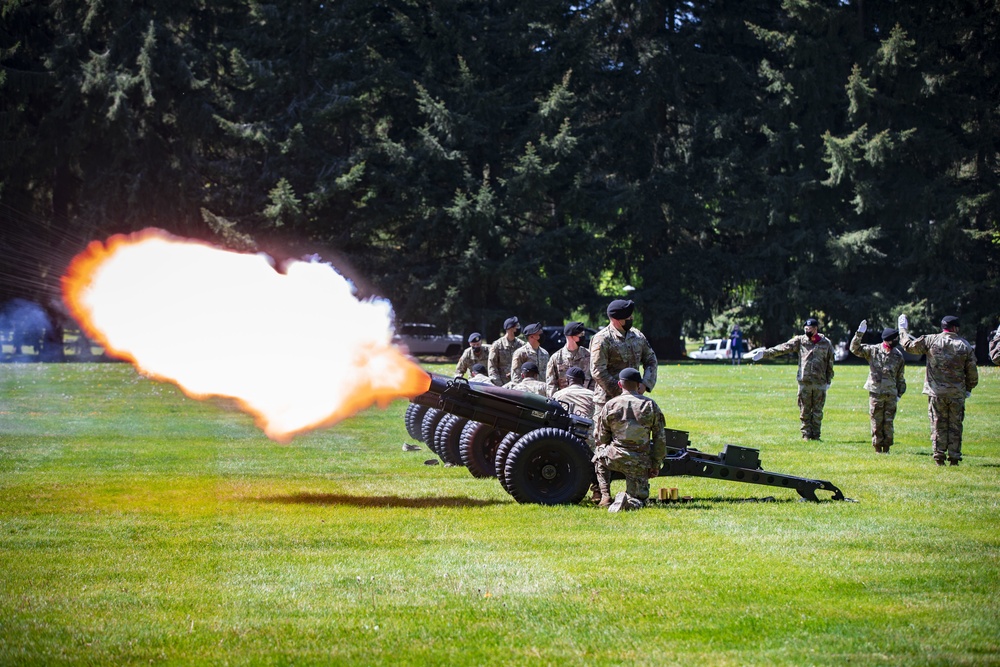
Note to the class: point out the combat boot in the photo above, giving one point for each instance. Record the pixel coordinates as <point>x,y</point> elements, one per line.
<point>953,462</point>
<point>940,462</point>
<point>605,501</point>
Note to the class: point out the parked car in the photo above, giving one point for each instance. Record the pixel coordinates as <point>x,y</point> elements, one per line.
<point>553,338</point>
<point>717,348</point>
<point>428,340</point>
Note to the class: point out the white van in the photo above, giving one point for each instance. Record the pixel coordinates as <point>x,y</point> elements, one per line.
<point>716,348</point>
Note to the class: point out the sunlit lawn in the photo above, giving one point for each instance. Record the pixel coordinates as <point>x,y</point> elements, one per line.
<point>139,526</point>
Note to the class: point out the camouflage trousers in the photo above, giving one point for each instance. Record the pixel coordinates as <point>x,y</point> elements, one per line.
<point>811,402</point>
<point>882,410</point>
<point>635,469</point>
<point>946,415</point>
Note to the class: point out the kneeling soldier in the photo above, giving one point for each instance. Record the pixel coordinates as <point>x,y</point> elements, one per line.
<point>885,384</point>
<point>629,439</point>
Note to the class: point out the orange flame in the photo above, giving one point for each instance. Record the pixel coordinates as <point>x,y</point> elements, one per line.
<point>295,349</point>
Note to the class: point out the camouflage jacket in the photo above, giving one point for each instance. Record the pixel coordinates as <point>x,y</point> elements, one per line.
<point>531,385</point>
<point>634,425</point>
<point>612,352</point>
<point>471,357</point>
<point>524,354</point>
<point>815,358</point>
<point>951,363</point>
<point>885,367</point>
<point>579,398</point>
<point>995,348</point>
<point>501,354</point>
<point>480,379</point>
<point>560,362</point>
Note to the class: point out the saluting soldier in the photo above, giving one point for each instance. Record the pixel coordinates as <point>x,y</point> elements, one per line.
<point>570,355</point>
<point>474,354</point>
<point>530,351</point>
<point>630,439</point>
<point>949,379</point>
<point>616,347</point>
<point>886,382</point>
<point>814,375</point>
<point>502,352</point>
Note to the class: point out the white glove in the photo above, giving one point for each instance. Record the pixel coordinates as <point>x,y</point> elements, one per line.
<point>863,327</point>
<point>902,323</point>
<point>758,355</point>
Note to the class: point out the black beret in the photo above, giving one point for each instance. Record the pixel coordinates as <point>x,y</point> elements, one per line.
<point>475,337</point>
<point>510,322</point>
<point>630,375</point>
<point>479,368</point>
<point>529,367</point>
<point>620,309</point>
<point>812,322</point>
<point>573,329</point>
<point>949,321</point>
<point>889,334</point>
<point>530,329</point>
<point>576,373</point>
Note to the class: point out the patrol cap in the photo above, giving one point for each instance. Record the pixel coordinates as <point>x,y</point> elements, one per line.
<point>510,322</point>
<point>620,309</point>
<point>573,329</point>
<point>475,337</point>
<point>531,329</point>
<point>479,369</point>
<point>889,334</point>
<point>630,375</point>
<point>575,373</point>
<point>949,322</point>
<point>812,322</point>
<point>529,367</point>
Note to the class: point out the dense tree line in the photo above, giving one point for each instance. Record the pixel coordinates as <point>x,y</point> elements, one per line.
<point>746,161</point>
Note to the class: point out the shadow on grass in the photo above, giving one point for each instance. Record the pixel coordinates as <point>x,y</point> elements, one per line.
<point>708,503</point>
<point>376,501</point>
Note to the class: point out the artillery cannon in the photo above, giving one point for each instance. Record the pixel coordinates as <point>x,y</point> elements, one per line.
<point>536,446</point>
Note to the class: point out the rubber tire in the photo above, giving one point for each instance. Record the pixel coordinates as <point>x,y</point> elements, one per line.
<point>447,439</point>
<point>414,418</point>
<point>479,448</point>
<point>429,424</point>
<point>503,450</point>
<point>549,466</point>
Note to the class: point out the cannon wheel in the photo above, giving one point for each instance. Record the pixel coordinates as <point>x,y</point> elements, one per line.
<point>500,462</point>
<point>414,418</point>
<point>479,448</point>
<point>548,466</point>
<point>447,437</point>
<point>429,424</point>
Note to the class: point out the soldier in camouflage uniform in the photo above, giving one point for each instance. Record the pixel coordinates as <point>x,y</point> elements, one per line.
<point>530,351</point>
<point>616,347</point>
<point>502,352</point>
<point>949,379</point>
<point>474,354</point>
<point>814,376</point>
<point>630,439</point>
<point>885,385</point>
<point>529,380</point>
<point>479,375</point>
<point>570,355</point>
<point>995,347</point>
<point>575,394</point>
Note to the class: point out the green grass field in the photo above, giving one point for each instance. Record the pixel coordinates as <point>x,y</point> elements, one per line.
<point>138,526</point>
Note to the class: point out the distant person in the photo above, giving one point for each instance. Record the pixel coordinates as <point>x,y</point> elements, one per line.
<point>886,382</point>
<point>479,375</point>
<point>502,352</point>
<point>616,347</point>
<point>532,350</point>
<point>570,355</point>
<point>474,354</point>
<point>814,376</point>
<point>949,379</point>
<point>630,439</point>
<point>736,345</point>
<point>529,381</point>
<point>995,347</point>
